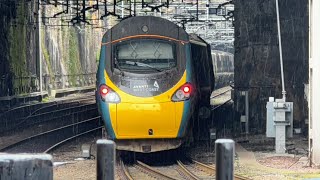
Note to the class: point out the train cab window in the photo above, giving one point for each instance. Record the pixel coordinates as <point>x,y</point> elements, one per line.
<point>145,55</point>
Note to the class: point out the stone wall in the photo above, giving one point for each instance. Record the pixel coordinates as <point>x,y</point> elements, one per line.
<point>257,64</point>
<point>69,53</point>
<point>17,47</point>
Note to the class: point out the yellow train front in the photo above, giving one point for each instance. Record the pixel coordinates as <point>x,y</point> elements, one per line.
<point>146,91</point>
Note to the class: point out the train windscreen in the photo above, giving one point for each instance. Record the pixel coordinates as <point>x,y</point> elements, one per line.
<point>145,55</point>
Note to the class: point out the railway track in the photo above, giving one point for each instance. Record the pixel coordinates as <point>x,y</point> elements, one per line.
<point>189,175</point>
<point>47,141</point>
<point>227,89</point>
<point>193,171</point>
<point>45,123</point>
<point>24,116</point>
<point>222,98</point>
<point>24,110</point>
<point>55,114</point>
<point>211,170</point>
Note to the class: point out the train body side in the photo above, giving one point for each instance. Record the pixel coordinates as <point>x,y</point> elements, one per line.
<point>223,65</point>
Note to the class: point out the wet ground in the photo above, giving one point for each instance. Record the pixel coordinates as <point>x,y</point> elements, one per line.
<point>255,158</point>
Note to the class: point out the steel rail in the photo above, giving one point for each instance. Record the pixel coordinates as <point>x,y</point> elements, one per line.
<point>65,103</point>
<point>46,113</point>
<point>214,108</point>
<point>45,133</point>
<point>143,167</point>
<point>70,138</point>
<point>46,120</point>
<point>56,117</point>
<point>125,171</point>
<point>45,103</point>
<point>55,111</point>
<point>205,168</point>
<point>214,96</point>
<point>22,120</point>
<point>186,171</point>
<point>211,170</point>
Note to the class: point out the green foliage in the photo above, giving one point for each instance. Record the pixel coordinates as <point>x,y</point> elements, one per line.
<point>46,99</point>
<point>17,42</point>
<point>74,55</point>
<point>88,15</point>
<point>46,56</point>
<point>98,56</point>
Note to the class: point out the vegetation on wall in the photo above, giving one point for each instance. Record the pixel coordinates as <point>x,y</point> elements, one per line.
<point>98,56</point>
<point>46,56</point>
<point>66,52</point>
<point>73,60</point>
<point>17,41</point>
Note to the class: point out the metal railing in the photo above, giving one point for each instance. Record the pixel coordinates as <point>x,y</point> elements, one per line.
<point>18,85</point>
<point>60,81</point>
<point>10,86</point>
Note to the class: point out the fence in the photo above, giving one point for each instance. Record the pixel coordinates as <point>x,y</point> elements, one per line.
<point>10,86</point>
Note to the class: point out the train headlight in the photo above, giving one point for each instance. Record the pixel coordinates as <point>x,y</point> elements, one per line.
<point>179,94</point>
<point>108,95</point>
<point>183,93</point>
<point>186,89</point>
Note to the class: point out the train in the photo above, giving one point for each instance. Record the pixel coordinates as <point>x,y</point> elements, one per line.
<point>154,82</point>
<point>223,67</point>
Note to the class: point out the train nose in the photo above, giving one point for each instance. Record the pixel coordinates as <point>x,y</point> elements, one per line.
<point>146,120</point>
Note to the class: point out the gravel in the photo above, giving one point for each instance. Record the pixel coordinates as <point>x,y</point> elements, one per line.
<point>292,162</point>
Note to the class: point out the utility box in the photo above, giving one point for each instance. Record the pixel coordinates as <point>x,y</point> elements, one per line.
<point>272,108</point>
<point>86,151</point>
<point>213,134</point>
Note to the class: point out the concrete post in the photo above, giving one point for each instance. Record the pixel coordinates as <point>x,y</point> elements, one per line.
<point>314,83</point>
<point>280,139</point>
<point>280,125</point>
<point>247,111</point>
<point>26,166</point>
<point>224,149</point>
<point>106,159</point>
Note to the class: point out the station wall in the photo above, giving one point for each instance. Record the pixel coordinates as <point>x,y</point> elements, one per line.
<point>257,64</point>
<point>69,53</point>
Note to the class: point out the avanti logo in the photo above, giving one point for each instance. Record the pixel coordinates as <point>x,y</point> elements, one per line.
<point>155,84</point>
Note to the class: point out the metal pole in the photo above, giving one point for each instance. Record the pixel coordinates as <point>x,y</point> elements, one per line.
<point>105,159</point>
<point>207,4</point>
<point>207,20</point>
<point>160,8</point>
<point>134,7</point>
<point>122,9</point>
<point>224,149</point>
<point>247,111</point>
<point>197,10</point>
<point>280,51</point>
<point>39,46</point>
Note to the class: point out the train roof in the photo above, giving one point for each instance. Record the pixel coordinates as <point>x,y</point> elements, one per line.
<point>195,39</point>
<point>221,52</point>
<point>145,25</point>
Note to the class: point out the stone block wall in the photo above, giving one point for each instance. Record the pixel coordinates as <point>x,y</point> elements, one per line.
<point>69,53</point>
<point>257,64</point>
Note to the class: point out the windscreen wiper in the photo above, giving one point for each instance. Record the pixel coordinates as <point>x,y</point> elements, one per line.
<point>142,65</point>
<point>116,63</point>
